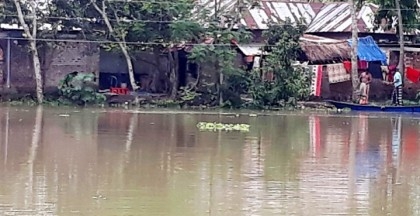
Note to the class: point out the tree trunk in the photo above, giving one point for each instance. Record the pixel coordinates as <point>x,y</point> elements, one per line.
<point>401,37</point>
<point>173,62</point>
<point>354,37</point>
<point>38,74</point>
<point>122,43</point>
<point>130,68</point>
<point>33,48</point>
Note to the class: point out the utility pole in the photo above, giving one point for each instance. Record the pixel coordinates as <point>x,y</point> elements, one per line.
<point>401,37</point>
<point>354,43</point>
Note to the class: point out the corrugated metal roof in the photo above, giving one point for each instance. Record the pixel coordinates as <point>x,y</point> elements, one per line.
<point>277,12</point>
<point>336,17</point>
<point>319,17</point>
<point>250,49</point>
<point>223,6</point>
<point>269,11</point>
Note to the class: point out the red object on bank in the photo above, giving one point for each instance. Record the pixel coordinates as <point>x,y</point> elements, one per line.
<point>347,66</point>
<point>119,91</point>
<point>412,74</point>
<point>362,65</point>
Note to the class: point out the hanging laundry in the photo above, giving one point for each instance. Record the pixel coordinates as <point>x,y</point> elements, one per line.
<point>385,71</point>
<point>375,69</point>
<point>412,74</point>
<point>347,66</point>
<point>392,68</point>
<point>256,64</point>
<point>337,73</point>
<point>362,65</point>
<point>316,71</point>
<point>390,75</point>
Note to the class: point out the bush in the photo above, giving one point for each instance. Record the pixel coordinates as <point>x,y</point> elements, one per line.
<point>80,88</point>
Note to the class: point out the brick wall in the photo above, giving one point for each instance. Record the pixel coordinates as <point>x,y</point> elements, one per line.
<point>68,58</point>
<point>55,64</point>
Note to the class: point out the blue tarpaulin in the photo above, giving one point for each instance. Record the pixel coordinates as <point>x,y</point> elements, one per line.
<point>368,50</point>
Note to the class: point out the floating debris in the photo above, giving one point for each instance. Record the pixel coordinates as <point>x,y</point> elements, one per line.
<point>209,126</point>
<point>99,196</point>
<point>64,115</point>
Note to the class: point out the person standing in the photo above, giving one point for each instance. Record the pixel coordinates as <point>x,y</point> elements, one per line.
<point>397,93</point>
<point>365,80</point>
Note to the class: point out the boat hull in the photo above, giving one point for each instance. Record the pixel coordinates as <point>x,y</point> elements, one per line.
<point>374,108</point>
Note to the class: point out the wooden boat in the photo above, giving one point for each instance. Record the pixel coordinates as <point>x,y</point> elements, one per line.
<point>374,108</point>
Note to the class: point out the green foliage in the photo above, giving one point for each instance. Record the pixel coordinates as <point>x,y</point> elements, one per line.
<point>213,126</point>
<point>291,82</point>
<point>166,103</point>
<point>187,95</point>
<point>409,12</point>
<point>220,58</point>
<point>144,25</point>
<point>156,25</point>
<point>79,88</point>
<point>42,12</point>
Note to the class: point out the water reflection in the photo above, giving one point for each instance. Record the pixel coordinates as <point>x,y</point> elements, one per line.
<point>111,162</point>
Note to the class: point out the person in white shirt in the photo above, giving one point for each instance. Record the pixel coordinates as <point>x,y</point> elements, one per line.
<point>397,93</point>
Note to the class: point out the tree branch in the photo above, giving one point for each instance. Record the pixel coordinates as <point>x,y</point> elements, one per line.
<point>22,20</point>
<point>114,10</point>
<point>102,12</point>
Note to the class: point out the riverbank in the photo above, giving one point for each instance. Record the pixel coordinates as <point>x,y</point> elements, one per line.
<point>154,101</point>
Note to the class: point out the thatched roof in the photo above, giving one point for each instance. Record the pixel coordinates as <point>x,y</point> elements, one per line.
<point>317,48</point>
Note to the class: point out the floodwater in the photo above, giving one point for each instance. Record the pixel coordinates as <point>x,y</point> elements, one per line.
<point>115,162</point>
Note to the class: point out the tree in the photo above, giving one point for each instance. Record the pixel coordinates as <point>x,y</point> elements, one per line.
<point>119,35</point>
<point>134,26</point>
<point>219,75</point>
<point>29,16</point>
<point>403,12</point>
<point>290,82</point>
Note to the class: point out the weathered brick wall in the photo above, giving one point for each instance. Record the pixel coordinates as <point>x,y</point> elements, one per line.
<point>55,63</point>
<point>68,58</point>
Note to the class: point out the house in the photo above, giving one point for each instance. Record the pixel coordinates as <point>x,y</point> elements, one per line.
<point>16,68</point>
<point>330,20</point>
<point>333,20</point>
<point>316,16</point>
<point>150,70</point>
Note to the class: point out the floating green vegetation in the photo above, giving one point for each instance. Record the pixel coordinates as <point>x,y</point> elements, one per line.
<point>209,126</point>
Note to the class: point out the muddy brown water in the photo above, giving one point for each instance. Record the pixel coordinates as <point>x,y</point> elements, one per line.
<point>117,162</point>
